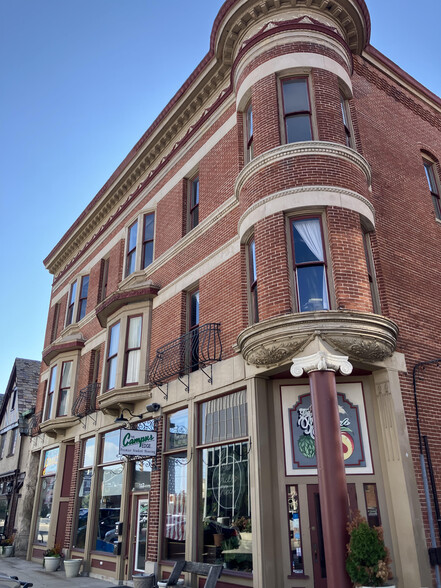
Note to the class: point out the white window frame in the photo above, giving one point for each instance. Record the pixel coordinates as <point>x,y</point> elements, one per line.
<point>57,386</point>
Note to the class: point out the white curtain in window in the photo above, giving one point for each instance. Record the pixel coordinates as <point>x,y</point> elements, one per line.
<point>133,359</point>
<point>310,232</point>
<point>134,338</point>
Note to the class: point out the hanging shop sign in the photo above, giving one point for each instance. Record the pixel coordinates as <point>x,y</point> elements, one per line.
<point>299,432</point>
<point>142,443</point>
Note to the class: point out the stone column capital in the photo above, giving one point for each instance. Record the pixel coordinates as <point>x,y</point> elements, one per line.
<point>319,362</point>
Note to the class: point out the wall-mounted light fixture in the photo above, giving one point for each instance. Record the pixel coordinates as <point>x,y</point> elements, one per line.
<point>122,419</point>
<point>154,407</point>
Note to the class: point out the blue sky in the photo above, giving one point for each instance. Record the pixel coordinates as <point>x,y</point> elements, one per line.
<point>81,82</point>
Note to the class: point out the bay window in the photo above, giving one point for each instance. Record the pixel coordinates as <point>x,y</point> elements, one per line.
<point>50,393</point>
<point>133,350</point>
<point>63,393</point>
<point>225,525</point>
<point>344,103</point>
<point>297,113</point>
<point>309,264</point>
<point>112,356</point>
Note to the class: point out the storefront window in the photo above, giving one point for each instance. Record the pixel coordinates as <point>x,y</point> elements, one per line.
<point>225,519</point>
<point>84,485</point>
<point>295,539</point>
<point>3,511</point>
<point>50,465</point>
<point>141,475</point>
<point>176,482</point>
<point>109,494</point>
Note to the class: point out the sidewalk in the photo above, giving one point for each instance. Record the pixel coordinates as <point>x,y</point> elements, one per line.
<point>29,571</point>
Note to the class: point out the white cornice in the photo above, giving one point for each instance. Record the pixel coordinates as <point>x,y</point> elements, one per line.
<point>304,197</point>
<point>310,148</point>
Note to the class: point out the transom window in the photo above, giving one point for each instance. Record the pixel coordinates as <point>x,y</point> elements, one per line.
<point>296,110</point>
<point>433,181</point>
<point>309,265</point>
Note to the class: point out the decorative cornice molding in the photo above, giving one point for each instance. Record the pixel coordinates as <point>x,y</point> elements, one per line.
<point>319,362</point>
<point>309,148</point>
<point>245,222</point>
<point>121,298</point>
<point>364,337</point>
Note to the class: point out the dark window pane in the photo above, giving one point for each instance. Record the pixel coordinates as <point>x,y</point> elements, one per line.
<point>149,225</point>
<point>132,236</point>
<point>84,287</point>
<point>147,254</point>
<point>82,309</point>
<point>195,192</point>
<point>298,128</point>
<point>195,217</point>
<point>295,95</point>
<point>83,508</point>
<point>194,317</point>
<point>311,284</point>
<point>131,259</point>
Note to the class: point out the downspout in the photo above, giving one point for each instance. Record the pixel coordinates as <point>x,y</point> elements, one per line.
<point>423,464</point>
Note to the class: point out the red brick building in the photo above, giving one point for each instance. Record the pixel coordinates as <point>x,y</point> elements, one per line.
<point>254,286</point>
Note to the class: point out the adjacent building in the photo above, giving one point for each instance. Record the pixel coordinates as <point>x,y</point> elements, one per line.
<point>17,481</point>
<point>255,287</point>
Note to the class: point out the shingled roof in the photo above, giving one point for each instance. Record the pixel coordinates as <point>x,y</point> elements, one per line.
<point>25,374</point>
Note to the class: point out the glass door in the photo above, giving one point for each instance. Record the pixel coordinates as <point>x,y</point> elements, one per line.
<point>141,530</point>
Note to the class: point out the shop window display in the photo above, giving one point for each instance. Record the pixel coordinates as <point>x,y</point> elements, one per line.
<point>84,487</point>
<point>46,497</point>
<point>225,518</point>
<point>295,539</point>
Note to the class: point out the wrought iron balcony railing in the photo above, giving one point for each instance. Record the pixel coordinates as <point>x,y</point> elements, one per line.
<point>34,423</point>
<point>85,402</point>
<point>195,350</point>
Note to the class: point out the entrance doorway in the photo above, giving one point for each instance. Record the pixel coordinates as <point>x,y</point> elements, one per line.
<point>316,531</point>
<point>140,532</point>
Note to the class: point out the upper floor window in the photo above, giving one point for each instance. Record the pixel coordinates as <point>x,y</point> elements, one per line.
<point>309,265</point>
<point>126,351</point>
<point>346,115</point>
<point>76,309</point>
<point>13,442</point>
<point>254,314</point>
<point>140,244</point>
<point>371,272</point>
<point>71,305</point>
<point>82,303</point>
<point>131,249</point>
<point>50,393</point>
<point>193,197</point>
<point>147,240</point>
<point>63,393</point>
<point>55,319</point>
<point>112,356</point>
<point>249,148</point>
<point>133,350</point>
<point>297,113</point>
<point>2,444</point>
<point>104,276</point>
<point>434,185</point>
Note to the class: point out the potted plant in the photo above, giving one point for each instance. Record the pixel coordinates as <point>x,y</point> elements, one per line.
<point>6,546</point>
<point>368,560</point>
<point>72,567</point>
<point>52,558</point>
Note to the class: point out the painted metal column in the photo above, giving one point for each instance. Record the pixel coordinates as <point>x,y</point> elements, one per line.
<point>334,501</point>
